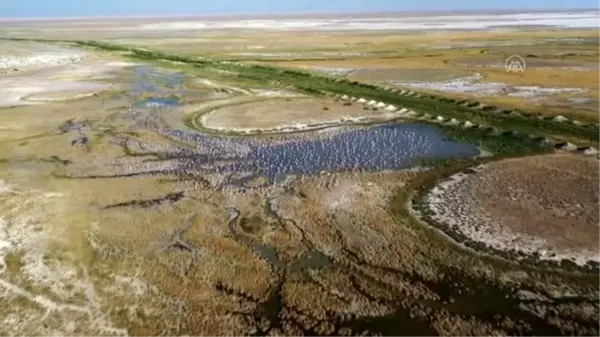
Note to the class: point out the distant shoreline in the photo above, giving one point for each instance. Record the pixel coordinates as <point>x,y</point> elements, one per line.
<point>341,15</point>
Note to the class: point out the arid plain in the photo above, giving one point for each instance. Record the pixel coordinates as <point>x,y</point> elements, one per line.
<point>378,174</point>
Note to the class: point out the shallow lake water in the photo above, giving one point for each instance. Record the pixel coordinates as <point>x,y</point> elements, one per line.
<point>377,148</point>
<point>374,148</point>
<point>159,102</point>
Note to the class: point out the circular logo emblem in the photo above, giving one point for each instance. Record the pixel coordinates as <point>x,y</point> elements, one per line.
<point>515,64</point>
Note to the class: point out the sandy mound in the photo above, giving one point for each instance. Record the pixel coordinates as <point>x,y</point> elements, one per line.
<point>544,204</point>
<point>17,55</point>
<point>28,90</point>
<point>57,83</point>
<point>38,72</point>
<point>81,90</point>
<point>291,113</point>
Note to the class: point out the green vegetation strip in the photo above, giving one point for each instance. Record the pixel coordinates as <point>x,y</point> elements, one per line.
<point>317,84</point>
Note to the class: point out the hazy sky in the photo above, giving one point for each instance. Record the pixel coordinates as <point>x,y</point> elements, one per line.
<point>46,8</point>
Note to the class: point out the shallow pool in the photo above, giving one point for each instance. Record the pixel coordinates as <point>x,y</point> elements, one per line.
<point>377,148</point>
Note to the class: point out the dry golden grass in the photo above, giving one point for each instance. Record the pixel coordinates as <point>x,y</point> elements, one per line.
<point>353,208</point>
<point>152,287</point>
<point>553,78</point>
<point>190,277</point>
<point>549,78</point>
<point>408,74</point>
<point>451,325</point>
<point>222,43</point>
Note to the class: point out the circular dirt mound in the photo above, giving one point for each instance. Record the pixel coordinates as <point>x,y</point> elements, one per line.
<point>60,95</point>
<point>280,113</point>
<point>542,205</point>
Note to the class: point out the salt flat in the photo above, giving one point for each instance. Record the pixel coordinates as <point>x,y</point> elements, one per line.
<point>48,81</point>
<point>394,21</point>
<point>417,22</point>
<point>18,55</point>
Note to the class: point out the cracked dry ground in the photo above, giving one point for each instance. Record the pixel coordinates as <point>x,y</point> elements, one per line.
<point>139,236</point>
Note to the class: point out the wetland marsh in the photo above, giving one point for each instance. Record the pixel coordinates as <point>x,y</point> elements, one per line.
<point>154,189</point>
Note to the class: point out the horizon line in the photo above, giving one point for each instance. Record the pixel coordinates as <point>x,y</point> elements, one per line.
<point>299,13</point>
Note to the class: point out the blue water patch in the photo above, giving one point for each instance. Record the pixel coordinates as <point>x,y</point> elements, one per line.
<point>151,88</point>
<point>378,148</point>
<point>374,149</point>
<point>159,102</point>
<point>145,79</point>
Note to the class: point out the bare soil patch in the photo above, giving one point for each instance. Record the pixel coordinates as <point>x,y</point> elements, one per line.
<point>36,73</point>
<point>21,55</point>
<point>284,113</point>
<point>497,61</point>
<point>585,104</point>
<point>543,204</point>
<point>408,74</point>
